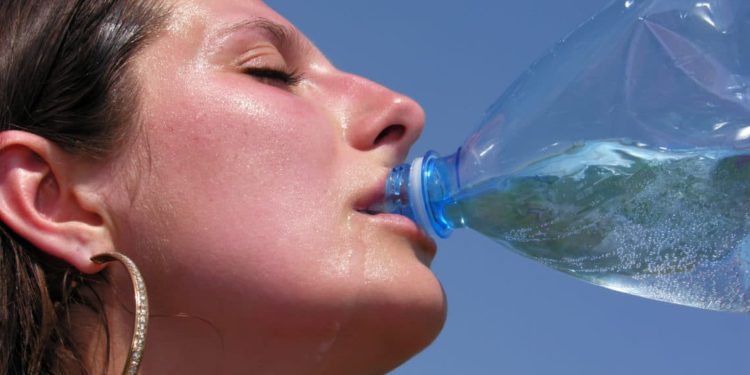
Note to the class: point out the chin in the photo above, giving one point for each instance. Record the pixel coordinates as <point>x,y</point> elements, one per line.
<point>386,332</point>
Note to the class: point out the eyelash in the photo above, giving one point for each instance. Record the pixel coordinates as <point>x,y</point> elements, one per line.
<point>290,79</point>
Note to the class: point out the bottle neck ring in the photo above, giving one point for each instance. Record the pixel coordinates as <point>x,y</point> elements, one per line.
<point>428,189</point>
<point>418,194</point>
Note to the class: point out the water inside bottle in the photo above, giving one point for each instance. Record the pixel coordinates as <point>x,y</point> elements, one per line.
<point>671,225</point>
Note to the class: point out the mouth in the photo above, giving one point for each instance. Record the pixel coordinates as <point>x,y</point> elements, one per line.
<point>373,203</point>
<point>369,211</point>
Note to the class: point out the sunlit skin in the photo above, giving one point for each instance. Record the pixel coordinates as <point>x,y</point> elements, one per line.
<point>241,199</point>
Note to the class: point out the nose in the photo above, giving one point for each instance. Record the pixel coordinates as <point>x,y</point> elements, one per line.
<point>381,120</point>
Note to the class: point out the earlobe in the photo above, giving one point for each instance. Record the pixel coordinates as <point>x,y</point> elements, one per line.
<point>38,201</point>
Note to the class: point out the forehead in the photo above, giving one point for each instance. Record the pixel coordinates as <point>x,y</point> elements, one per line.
<point>187,12</point>
<point>215,19</point>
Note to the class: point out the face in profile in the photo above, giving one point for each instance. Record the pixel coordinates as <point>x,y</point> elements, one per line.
<point>256,161</point>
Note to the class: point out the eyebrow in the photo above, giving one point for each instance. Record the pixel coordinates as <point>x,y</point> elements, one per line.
<point>284,37</point>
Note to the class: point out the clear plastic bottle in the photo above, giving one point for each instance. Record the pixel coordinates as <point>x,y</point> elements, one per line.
<point>622,157</point>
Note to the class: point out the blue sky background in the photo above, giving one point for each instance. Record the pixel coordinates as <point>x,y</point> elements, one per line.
<point>507,314</point>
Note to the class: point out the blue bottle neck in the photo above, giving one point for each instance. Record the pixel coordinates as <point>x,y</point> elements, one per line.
<point>421,190</point>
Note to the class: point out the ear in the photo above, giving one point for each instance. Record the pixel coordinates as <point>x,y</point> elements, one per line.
<point>42,199</point>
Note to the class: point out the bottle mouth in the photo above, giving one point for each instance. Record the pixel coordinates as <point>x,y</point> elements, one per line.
<point>406,194</point>
<point>396,198</point>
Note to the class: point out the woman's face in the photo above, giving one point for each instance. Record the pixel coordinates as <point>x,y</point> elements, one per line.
<point>256,160</point>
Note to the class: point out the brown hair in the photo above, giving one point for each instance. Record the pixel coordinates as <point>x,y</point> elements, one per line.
<point>64,76</point>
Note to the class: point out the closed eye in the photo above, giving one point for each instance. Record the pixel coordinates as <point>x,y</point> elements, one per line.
<point>275,76</point>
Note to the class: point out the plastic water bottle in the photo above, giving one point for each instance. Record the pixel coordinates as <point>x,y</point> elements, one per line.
<point>622,157</point>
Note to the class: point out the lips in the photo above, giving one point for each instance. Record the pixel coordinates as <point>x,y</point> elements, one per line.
<point>372,203</point>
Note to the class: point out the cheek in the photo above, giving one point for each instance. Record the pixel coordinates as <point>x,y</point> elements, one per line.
<point>267,144</point>
<point>246,189</point>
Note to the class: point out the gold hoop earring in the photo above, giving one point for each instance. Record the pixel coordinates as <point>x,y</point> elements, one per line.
<point>138,343</point>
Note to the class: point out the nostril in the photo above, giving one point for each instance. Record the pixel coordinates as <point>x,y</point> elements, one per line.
<point>390,134</point>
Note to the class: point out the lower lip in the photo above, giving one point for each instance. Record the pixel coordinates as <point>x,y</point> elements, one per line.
<point>408,228</point>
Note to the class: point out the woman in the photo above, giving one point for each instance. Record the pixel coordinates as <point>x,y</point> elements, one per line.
<point>216,147</point>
